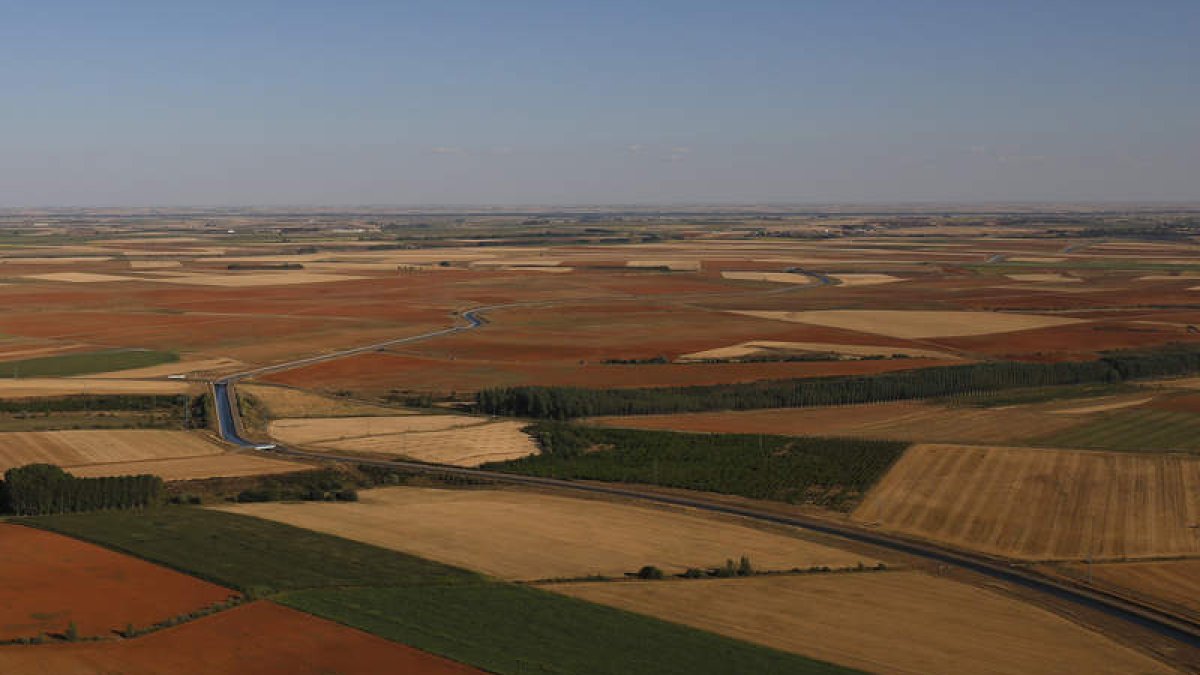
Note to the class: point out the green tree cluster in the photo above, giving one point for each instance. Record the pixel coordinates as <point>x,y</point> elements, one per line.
<point>40,489</point>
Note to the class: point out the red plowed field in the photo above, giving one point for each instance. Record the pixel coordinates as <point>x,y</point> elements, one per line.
<point>261,638</point>
<point>48,581</point>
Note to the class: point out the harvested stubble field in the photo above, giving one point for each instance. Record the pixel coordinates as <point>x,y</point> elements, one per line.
<point>783,348</point>
<point>526,535</point>
<point>261,637</point>
<point>906,623</point>
<point>171,455</point>
<point>76,448</point>
<point>1173,582</point>
<point>916,324</point>
<point>444,439</point>
<point>227,465</point>
<point>46,386</point>
<point>51,581</point>
<point>1040,504</point>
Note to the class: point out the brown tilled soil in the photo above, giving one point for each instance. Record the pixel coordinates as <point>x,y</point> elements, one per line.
<point>260,638</point>
<point>48,581</point>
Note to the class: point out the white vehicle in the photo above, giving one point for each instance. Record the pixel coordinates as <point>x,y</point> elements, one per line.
<point>267,446</point>
<point>177,377</point>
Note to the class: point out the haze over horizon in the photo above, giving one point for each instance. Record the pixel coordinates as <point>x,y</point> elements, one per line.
<point>577,103</point>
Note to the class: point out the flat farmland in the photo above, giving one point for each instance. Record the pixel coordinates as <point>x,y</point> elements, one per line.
<point>1039,504</point>
<point>525,535</point>
<point>445,439</point>
<point>51,581</point>
<point>883,622</point>
<point>261,637</point>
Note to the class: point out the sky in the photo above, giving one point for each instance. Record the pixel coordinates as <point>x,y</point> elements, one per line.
<point>562,102</point>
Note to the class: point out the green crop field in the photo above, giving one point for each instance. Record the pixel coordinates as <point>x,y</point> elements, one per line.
<point>827,471</point>
<point>507,628</point>
<point>1146,430</point>
<point>85,363</point>
<point>496,626</point>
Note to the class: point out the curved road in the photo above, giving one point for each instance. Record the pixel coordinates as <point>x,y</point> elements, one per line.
<point>1129,610</point>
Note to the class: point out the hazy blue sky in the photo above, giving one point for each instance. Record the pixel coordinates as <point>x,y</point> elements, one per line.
<point>206,103</point>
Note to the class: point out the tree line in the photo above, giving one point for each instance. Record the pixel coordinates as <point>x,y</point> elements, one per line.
<point>827,471</point>
<point>40,489</point>
<point>570,402</point>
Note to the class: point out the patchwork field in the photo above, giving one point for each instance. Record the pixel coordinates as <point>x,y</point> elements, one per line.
<point>1041,504</point>
<point>261,637</point>
<point>51,581</point>
<point>445,439</point>
<point>881,622</point>
<point>524,535</point>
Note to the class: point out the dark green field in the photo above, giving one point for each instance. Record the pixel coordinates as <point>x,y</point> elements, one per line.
<point>826,471</point>
<point>496,626</point>
<point>85,363</point>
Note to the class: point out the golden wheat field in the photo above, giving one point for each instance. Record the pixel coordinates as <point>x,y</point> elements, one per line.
<point>1041,504</point>
<point>527,535</point>
<point>905,623</point>
<point>444,439</point>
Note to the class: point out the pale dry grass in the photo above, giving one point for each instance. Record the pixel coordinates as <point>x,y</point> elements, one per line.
<point>80,277</point>
<point>917,324</point>
<point>227,465</point>
<point>1042,504</point>
<point>74,448</point>
<point>773,277</point>
<point>443,439</point>
<point>49,386</point>
<point>1036,259</point>
<point>892,622</point>
<point>527,535</point>
<point>762,347</point>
